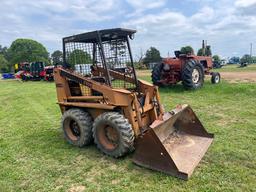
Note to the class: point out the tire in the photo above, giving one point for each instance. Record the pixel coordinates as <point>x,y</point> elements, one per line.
<point>215,78</point>
<point>113,134</point>
<point>77,127</point>
<point>24,78</point>
<point>192,75</point>
<point>156,74</point>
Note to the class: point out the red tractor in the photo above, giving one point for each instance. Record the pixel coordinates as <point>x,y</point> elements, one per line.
<point>22,71</point>
<point>48,73</point>
<point>37,70</point>
<point>188,68</point>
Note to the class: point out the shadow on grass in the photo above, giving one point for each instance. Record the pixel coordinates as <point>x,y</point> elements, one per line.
<point>178,88</point>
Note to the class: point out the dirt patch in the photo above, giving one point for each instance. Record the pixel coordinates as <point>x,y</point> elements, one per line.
<point>143,73</point>
<point>77,189</point>
<point>233,77</point>
<point>239,76</point>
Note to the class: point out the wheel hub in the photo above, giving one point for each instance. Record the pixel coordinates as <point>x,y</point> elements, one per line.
<point>195,75</point>
<point>72,129</point>
<point>75,129</point>
<point>217,79</point>
<point>111,134</point>
<point>109,137</point>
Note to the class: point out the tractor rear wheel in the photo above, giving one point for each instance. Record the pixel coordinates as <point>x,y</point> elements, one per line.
<point>113,134</point>
<point>192,75</point>
<point>77,127</point>
<point>215,78</point>
<point>156,74</point>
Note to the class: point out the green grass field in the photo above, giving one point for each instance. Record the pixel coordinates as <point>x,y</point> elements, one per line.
<point>35,157</point>
<point>235,68</point>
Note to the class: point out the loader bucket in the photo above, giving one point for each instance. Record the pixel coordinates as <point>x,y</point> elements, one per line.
<point>175,145</point>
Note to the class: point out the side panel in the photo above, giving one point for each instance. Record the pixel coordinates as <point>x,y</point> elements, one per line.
<point>62,87</point>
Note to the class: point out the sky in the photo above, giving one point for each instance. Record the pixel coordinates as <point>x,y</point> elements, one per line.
<point>229,26</point>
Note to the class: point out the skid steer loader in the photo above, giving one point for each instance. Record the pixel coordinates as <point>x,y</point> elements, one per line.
<point>121,113</point>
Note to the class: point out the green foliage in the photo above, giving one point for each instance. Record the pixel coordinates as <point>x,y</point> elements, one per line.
<point>188,50</point>
<point>152,55</point>
<point>57,57</point>
<point>216,58</point>
<point>78,57</point>
<point>254,59</point>
<point>3,51</point>
<point>246,59</point>
<point>4,68</point>
<point>140,65</point>
<point>27,50</point>
<point>200,52</point>
<point>208,51</point>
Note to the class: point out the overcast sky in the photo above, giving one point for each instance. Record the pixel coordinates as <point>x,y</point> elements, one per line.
<point>228,25</point>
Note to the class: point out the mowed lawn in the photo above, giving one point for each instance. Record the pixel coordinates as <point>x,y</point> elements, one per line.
<point>236,68</point>
<point>35,157</point>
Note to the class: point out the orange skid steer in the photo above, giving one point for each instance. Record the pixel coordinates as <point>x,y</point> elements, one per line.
<point>109,106</point>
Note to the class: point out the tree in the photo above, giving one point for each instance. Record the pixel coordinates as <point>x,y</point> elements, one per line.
<point>78,57</point>
<point>208,51</point>
<point>246,59</point>
<point>3,51</point>
<point>234,60</point>
<point>152,55</point>
<point>216,58</point>
<point>4,68</point>
<point>57,57</point>
<point>254,59</point>
<point>27,50</point>
<point>188,50</point>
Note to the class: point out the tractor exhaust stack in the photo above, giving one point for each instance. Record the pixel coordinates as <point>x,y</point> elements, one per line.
<point>175,145</point>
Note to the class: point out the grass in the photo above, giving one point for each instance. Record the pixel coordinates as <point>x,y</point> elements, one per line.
<point>35,157</point>
<point>235,68</point>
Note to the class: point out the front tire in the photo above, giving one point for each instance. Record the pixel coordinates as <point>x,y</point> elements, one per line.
<point>113,134</point>
<point>215,78</point>
<point>156,74</point>
<point>77,127</point>
<point>192,75</point>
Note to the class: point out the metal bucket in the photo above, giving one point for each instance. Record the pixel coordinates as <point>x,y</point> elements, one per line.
<point>175,145</point>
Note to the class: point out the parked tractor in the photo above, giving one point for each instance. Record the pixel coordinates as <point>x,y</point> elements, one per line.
<point>188,68</point>
<point>22,71</point>
<point>34,71</point>
<point>119,112</point>
<point>48,73</point>
<point>37,70</point>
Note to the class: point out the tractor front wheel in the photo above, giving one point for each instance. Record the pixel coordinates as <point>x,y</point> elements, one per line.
<point>113,134</point>
<point>215,78</point>
<point>192,75</point>
<point>156,74</point>
<point>77,127</point>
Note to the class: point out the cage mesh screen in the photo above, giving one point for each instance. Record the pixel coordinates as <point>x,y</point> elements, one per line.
<point>81,56</point>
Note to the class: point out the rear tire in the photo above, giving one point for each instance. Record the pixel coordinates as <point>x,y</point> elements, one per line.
<point>77,127</point>
<point>215,78</point>
<point>113,134</point>
<point>192,75</point>
<point>156,74</point>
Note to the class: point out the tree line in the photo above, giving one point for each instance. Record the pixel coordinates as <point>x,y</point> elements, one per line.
<point>28,50</point>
